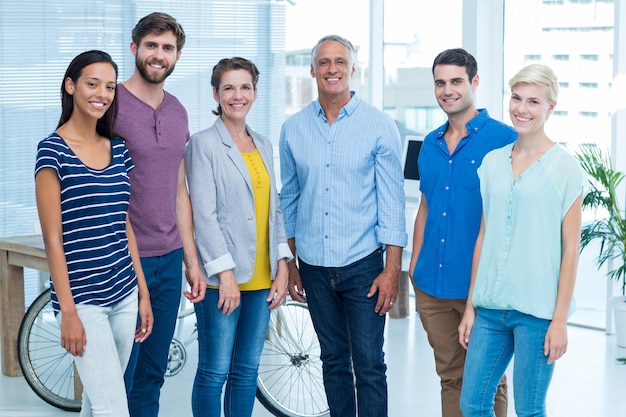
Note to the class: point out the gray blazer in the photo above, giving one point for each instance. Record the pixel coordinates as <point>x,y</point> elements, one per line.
<point>222,201</point>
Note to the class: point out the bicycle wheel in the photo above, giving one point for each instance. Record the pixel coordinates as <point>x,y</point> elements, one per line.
<point>290,373</point>
<point>47,367</point>
<point>176,358</point>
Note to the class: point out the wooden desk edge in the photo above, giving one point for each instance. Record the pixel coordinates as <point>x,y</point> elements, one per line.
<point>16,253</point>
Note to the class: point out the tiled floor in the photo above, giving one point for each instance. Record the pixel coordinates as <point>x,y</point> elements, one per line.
<point>588,382</point>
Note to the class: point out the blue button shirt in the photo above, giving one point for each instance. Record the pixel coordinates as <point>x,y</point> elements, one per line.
<point>342,195</point>
<point>450,184</point>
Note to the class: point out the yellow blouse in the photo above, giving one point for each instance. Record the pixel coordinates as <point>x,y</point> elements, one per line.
<point>261,189</point>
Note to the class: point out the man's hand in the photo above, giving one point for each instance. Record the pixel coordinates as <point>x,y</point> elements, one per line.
<point>196,283</point>
<point>295,283</point>
<point>386,285</point>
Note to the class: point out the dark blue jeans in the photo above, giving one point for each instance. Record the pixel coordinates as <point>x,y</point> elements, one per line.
<point>350,334</point>
<point>144,375</point>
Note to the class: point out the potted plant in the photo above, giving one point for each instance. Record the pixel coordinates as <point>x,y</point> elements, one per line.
<point>609,229</point>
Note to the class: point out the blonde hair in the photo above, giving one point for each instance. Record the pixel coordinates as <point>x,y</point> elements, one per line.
<point>541,75</point>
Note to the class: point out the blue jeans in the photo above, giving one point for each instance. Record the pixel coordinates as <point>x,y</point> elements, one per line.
<point>148,363</point>
<point>350,334</point>
<point>496,336</point>
<point>110,332</point>
<point>229,350</point>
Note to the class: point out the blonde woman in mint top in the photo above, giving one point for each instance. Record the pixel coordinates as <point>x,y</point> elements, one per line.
<point>82,190</point>
<point>525,257</point>
<point>241,244</point>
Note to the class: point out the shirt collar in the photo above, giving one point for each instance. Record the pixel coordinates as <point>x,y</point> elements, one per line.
<point>473,126</point>
<point>348,109</point>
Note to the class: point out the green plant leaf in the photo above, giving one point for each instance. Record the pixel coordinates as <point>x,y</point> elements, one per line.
<point>610,231</point>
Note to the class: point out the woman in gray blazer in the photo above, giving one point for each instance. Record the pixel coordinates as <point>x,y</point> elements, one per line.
<point>241,242</point>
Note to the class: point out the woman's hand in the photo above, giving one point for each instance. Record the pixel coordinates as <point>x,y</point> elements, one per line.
<point>147,319</point>
<point>73,338</point>
<point>230,297</point>
<point>555,343</point>
<point>466,325</point>
<point>278,290</point>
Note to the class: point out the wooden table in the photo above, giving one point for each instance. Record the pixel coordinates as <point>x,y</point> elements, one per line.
<point>15,254</point>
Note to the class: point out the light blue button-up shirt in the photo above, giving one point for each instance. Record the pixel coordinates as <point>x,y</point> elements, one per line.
<point>342,195</point>
<point>520,260</point>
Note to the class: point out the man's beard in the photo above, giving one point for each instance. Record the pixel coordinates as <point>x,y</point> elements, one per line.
<point>154,79</point>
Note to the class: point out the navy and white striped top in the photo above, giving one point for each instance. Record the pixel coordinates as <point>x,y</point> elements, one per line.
<point>94,204</point>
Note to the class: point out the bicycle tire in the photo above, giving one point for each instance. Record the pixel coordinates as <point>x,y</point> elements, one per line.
<point>176,358</point>
<point>47,367</point>
<point>290,380</point>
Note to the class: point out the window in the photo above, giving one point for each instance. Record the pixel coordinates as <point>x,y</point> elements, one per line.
<point>53,32</point>
<point>421,120</point>
<point>409,51</point>
<point>277,35</point>
<point>303,28</point>
<point>581,112</point>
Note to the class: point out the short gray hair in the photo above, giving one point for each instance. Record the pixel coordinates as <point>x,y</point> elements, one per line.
<point>335,38</point>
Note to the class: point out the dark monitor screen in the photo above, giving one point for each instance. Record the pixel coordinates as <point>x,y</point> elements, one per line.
<point>413,146</point>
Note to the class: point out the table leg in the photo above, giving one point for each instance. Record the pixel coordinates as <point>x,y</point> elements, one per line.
<point>11,313</point>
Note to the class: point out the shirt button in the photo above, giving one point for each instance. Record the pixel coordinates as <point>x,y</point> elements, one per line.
<point>440,265</point>
<point>449,161</point>
<point>445,214</point>
<point>447,188</point>
<point>443,241</point>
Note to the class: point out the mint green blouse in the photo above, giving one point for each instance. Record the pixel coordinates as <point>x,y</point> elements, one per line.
<point>521,254</point>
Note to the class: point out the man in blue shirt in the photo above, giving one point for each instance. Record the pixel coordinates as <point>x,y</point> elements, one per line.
<point>343,203</point>
<point>449,217</point>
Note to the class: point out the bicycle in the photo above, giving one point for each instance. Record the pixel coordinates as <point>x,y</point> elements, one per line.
<point>47,367</point>
<point>290,373</point>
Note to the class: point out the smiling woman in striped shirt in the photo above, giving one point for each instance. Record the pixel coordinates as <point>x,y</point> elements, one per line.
<point>82,190</point>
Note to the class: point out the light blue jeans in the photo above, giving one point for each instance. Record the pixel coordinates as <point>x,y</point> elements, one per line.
<point>110,336</point>
<point>496,336</point>
<point>229,350</point>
